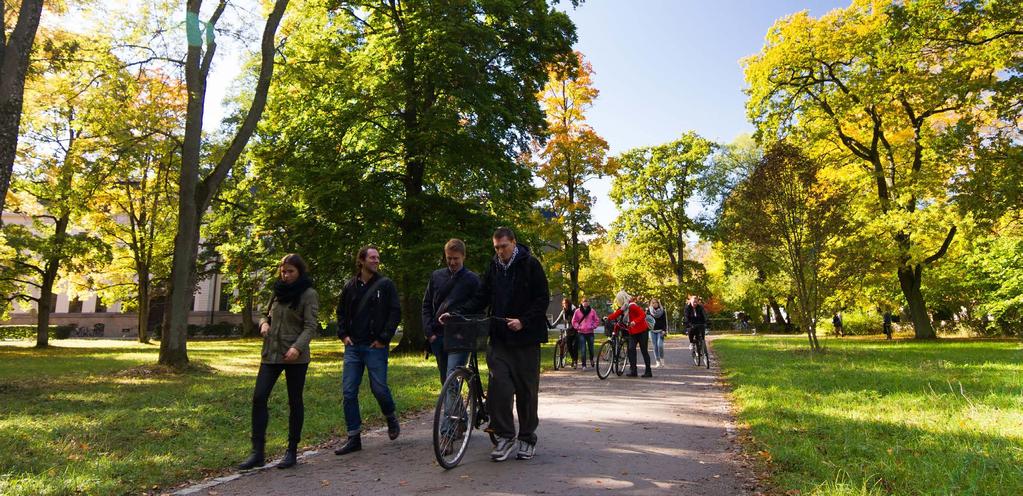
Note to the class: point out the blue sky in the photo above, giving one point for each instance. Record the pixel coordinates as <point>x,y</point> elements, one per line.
<point>667,66</point>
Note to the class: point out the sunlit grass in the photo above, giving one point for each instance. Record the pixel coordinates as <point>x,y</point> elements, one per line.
<point>870,416</point>
<point>92,416</point>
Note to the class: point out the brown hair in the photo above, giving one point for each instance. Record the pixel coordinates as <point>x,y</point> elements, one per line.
<point>504,232</point>
<point>360,258</point>
<point>456,245</point>
<point>566,303</point>
<point>295,261</point>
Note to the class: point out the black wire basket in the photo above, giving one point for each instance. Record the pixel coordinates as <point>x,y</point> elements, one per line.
<point>466,334</point>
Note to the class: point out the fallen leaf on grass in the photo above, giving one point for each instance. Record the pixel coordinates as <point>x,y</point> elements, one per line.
<point>597,429</point>
<point>324,483</point>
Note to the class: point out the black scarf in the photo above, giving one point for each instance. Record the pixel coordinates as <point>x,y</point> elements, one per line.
<point>585,310</point>
<point>290,294</point>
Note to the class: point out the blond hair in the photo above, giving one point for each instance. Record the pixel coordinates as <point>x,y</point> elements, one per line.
<point>622,299</point>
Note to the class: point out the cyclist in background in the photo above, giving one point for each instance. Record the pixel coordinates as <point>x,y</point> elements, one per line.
<point>565,317</point>
<point>695,319</point>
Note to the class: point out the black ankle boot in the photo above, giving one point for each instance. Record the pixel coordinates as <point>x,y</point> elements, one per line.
<point>289,460</point>
<point>256,459</point>
<point>354,443</point>
<point>393,429</point>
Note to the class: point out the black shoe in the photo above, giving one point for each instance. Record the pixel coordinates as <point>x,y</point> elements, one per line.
<point>393,429</point>
<point>647,374</point>
<point>353,444</point>
<point>256,459</point>
<point>632,374</point>
<point>289,460</point>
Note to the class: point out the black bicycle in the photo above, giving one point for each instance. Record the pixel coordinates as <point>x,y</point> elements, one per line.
<point>699,348</point>
<point>612,354</point>
<point>462,403</point>
<point>560,350</point>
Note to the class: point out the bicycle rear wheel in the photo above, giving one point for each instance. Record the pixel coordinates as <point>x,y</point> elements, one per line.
<point>605,360</point>
<point>622,357</point>
<point>453,418</point>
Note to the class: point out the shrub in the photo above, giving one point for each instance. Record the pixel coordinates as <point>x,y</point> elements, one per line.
<point>29,332</point>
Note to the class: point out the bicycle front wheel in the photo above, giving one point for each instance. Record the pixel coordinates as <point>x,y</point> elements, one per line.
<point>605,360</point>
<point>622,357</point>
<point>453,418</point>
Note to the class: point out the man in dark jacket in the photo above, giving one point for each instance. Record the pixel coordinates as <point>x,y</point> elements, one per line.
<point>367,318</point>
<point>449,287</point>
<point>515,290</point>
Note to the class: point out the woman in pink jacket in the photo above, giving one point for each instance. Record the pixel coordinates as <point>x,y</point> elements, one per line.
<point>585,321</point>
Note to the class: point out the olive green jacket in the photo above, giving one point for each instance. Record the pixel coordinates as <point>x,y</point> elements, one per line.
<point>290,328</point>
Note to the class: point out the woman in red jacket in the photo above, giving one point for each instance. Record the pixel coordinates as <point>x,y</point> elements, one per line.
<point>638,331</point>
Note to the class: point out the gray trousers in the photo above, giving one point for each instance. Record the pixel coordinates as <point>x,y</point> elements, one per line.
<point>514,376</point>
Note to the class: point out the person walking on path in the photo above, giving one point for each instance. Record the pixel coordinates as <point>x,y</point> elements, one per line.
<point>287,328</point>
<point>585,320</point>
<point>638,331</point>
<point>515,291</point>
<point>448,287</point>
<point>659,331</point>
<point>836,321</point>
<point>368,314</point>
<point>887,325</point>
<point>565,318</point>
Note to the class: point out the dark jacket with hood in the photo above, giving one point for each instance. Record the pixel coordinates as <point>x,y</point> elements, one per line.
<point>380,315</point>
<point>446,291</point>
<point>518,292</point>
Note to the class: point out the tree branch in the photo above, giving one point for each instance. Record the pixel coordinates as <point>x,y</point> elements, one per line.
<point>944,247</point>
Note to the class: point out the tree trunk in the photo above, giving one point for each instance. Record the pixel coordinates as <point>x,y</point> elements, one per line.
<point>910,279</point>
<point>43,317</point>
<point>248,325</point>
<point>13,67</point>
<point>143,304</point>
<point>193,196</point>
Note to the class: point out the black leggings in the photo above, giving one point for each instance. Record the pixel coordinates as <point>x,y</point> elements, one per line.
<point>643,339</point>
<point>294,374</point>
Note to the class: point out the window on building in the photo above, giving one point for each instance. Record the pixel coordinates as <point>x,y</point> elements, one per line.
<point>74,306</point>
<point>225,299</point>
<point>191,304</point>
<point>100,306</point>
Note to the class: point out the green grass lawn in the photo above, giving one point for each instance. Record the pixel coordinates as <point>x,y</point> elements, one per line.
<point>87,417</point>
<point>868,416</point>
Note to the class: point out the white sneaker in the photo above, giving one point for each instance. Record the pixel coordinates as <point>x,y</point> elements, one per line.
<point>505,448</point>
<point>526,451</point>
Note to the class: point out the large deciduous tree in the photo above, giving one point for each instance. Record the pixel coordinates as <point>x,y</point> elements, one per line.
<point>882,81</point>
<point>402,123</point>
<point>652,187</point>
<point>17,39</point>
<point>574,153</point>
<point>72,129</point>
<point>787,205</point>
<point>195,193</point>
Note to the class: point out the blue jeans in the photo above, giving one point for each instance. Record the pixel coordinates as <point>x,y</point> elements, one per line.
<point>658,340</point>
<point>586,345</point>
<point>359,357</point>
<point>446,362</point>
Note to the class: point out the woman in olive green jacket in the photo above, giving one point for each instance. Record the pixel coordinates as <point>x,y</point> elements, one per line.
<point>287,327</point>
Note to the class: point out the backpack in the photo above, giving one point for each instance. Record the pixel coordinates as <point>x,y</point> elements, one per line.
<point>650,322</point>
